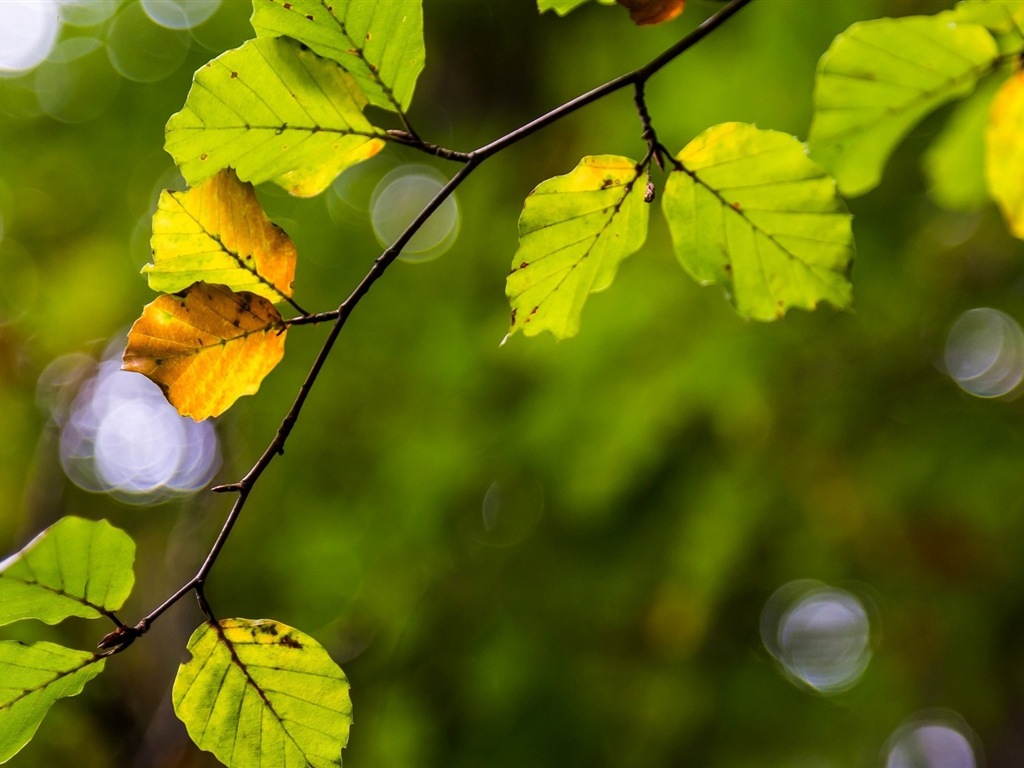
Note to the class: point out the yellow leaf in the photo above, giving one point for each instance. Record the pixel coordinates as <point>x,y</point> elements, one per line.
<point>206,347</point>
<point>1004,152</point>
<point>653,11</point>
<point>217,232</point>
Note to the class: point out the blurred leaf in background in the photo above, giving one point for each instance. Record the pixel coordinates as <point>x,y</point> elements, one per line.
<point>678,538</point>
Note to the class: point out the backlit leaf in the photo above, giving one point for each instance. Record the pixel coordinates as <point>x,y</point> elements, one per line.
<point>750,211</point>
<point>562,7</point>
<point>1004,152</point>
<point>32,677</point>
<point>206,347</point>
<point>573,232</point>
<point>75,567</point>
<point>274,111</point>
<point>653,11</point>
<point>880,78</point>
<point>954,162</point>
<point>998,16</point>
<point>259,694</point>
<point>379,43</point>
<point>217,232</point>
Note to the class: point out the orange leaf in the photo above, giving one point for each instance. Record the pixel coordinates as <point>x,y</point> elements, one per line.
<point>217,232</point>
<point>206,347</point>
<point>653,11</point>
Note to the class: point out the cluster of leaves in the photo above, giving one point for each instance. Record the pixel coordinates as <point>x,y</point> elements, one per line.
<point>747,209</point>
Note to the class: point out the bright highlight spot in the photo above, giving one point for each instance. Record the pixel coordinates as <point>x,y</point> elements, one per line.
<point>399,198</point>
<point>28,31</point>
<point>985,352</point>
<point>120,436</point>
<point>820,635</point>
<point>932,742</point>
<point>180,14</point>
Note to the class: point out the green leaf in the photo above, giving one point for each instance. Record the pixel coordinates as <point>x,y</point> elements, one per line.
<point>274,111</point>
<point>75,567</point>
<point>259,693</point>
<point>998,16</point>
<point>32,678</point>
<point>954,163</point>
<point>750,211</point>
<point>379,43</point>
<point>562,7</point>
<point>573,232</point>
<point>880,78</point>
<point>218,233</point>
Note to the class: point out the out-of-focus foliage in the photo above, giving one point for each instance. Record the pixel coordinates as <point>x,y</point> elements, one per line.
<point>544,554</point>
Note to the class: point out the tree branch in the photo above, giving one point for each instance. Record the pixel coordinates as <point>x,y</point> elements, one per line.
<point>471,161</point>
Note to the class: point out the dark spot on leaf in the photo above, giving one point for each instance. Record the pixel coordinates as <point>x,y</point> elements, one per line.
<point>290,642</point>
<point>353,51</point>
<point>513,317</point>
<point>534,310</point>
<point>268,629</point>
<point>235,323</point>
<point>288,6</point>
<point>309,16</point>
<point>524,265</point>
<point>234,75</point>
<point>158,361</point>
<point>607,183</point>
<point>203,156</point>
<point>736,206</point>
<point>367,35</point>
<point>245,307</point>
<point>727,267</point>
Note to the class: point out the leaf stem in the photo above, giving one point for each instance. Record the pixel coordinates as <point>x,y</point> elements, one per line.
<point>471,161</point>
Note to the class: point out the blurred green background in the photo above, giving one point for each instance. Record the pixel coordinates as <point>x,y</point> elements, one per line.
<point>544,554</point>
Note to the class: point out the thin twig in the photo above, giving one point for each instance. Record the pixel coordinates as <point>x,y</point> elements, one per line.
<point>471,161</point>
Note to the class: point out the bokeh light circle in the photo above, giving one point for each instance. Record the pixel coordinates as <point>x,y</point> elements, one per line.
<point>76,83</point>
<point>820,635</point>
<point>141,50</point>
<point>510,511</point>
<point>120,436</point>
<point>985,352</point>
<point>87,13</point>
<point>399,197</point>
<point>934,740</point>
<point>180,14</point>
<point>28,32</point>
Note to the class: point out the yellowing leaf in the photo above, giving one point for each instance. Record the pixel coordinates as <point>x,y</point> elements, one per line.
<point>573,232</point>
<point>32,677</point>
<point>653,11</point>
<point>274,111</point>
<point>1004,152</point>
<point>217,233</point>
<point>880,78</point>
<point>260,694</point>
<point>206,347</point>
<point>750,211</point>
